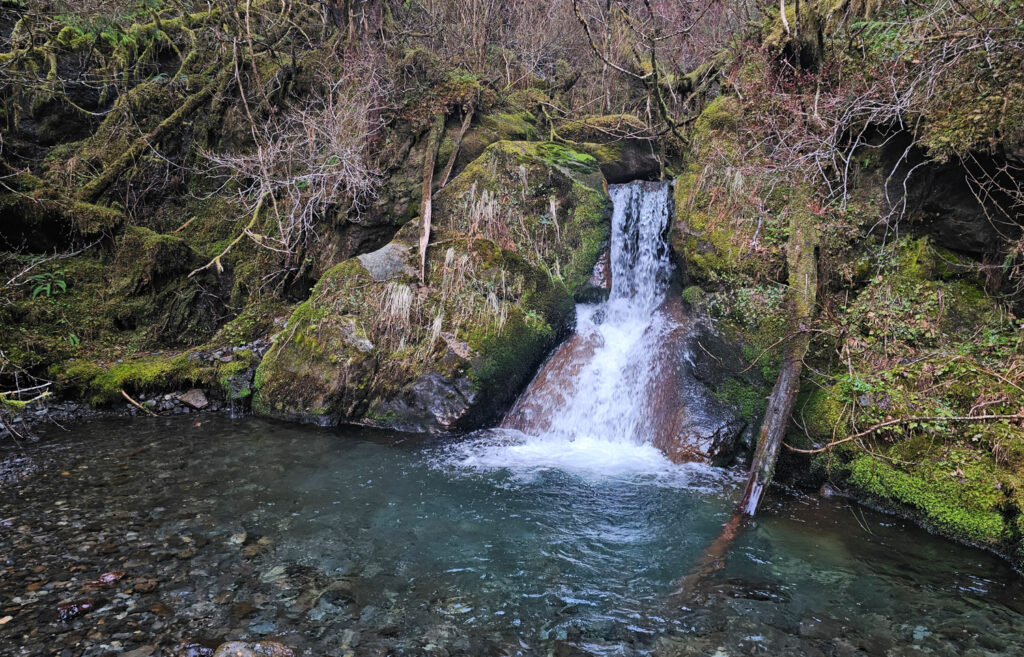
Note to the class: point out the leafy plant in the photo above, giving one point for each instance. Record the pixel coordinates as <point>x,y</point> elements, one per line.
<point>49,283</point>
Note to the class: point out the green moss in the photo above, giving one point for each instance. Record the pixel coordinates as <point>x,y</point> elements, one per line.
<point>824,414</point>
<point>146,259</point>
<point>99,385</point>
<point>13,406</point>
<point>721,115</point>
<point>747,399</point>
<point>510,126</point>
<point>561,156</point>
<point>961,500</point>
<point>694,295</point>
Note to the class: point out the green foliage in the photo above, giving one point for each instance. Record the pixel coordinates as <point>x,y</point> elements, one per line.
<point>48,283</point>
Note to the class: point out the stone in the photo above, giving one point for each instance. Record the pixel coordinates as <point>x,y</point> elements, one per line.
<point>258,649</point>
<point>195,398</point>
<point>389,261</point>
<point>262,627</point>
<point>70,610</point>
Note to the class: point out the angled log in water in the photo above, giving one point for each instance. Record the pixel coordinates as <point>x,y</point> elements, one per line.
<point>802,262</point>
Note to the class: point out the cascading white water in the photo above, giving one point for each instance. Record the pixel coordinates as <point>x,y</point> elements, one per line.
<point>590,407</point>
<point>598,385</point>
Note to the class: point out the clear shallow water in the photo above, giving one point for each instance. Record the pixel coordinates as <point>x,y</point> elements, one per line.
<point>375,544</point>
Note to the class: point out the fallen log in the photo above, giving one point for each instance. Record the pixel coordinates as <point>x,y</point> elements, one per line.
<point>801,259</point>
<point>802,262</point>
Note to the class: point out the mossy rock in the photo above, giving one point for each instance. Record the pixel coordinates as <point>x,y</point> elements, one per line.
<point>959,495</point>
<point>145,260</point>
<point>513,237</point>
<point>498,124</point>
<point>723,114</point>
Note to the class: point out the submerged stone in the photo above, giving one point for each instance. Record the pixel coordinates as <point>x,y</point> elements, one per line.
<point>258,649</point>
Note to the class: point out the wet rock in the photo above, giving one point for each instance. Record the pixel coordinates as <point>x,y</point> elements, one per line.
<point>70,610</point>
<point>258,649</point>
<point>106,579</point>
<point>262,627</point>
<point>194,649</point>
<point>161,610</point>
<point>143,651</point>
<point>195,398</point>
<point>243,609</point>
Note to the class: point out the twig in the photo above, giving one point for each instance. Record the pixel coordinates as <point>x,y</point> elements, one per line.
<point>905,420</point>
<point>138,405</point>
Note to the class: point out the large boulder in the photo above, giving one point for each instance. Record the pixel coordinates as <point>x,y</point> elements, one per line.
<point>694,424</point>
<point>513,237</point>
<point>621,143</point>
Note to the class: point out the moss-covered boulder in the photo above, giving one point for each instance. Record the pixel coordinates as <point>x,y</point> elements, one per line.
<point>514,235</point>
<point>621,143</point>
<point>152,289</point>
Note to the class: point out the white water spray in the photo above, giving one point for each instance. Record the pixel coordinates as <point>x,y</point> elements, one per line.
<point>590,409</point>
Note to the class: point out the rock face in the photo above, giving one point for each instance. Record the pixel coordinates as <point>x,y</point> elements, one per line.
<point>514,236</point>
<point>940,199</point>
<point>695,424</point>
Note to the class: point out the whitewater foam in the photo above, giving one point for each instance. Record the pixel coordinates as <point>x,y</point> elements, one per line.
<point>591,458</point>
<point>588,411</point>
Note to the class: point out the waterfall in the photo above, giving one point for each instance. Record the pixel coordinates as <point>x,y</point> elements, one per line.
<point>619,397</point>
<point>597,386</point>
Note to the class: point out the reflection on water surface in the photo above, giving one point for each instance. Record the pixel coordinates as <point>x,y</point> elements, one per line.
<point>353,541</point>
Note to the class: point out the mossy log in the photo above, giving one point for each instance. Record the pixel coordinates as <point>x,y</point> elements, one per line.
<point>802,262</point>
<point>92,190</point>
<point>429,160</point>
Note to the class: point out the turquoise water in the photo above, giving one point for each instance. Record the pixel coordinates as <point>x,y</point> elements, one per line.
<point>352,541</point>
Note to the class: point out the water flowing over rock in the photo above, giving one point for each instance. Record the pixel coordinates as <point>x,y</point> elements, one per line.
<point>628,373</point>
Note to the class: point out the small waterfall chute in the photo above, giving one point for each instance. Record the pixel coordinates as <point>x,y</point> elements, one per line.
<point>598,383</point>
<point>619,396</point>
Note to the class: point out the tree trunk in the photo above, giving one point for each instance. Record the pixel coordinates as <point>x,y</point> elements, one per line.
<point>92,190</point>
<point>455,148</point>
<point>802,262</point>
